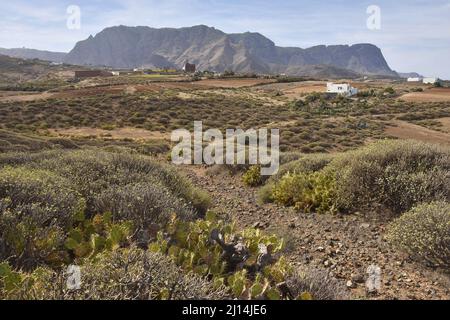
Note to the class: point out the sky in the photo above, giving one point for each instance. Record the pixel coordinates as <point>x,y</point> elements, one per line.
<point>414,35</point>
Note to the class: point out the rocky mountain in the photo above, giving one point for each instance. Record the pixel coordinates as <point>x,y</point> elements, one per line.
<point>24,53</point>
<point>212,49</point>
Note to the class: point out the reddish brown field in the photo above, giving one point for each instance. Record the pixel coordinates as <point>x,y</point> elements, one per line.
<point>233,83</point>
<point>405,130</point>
<point>431,95</point>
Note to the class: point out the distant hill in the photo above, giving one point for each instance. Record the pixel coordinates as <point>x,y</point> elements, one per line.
<point>25,53</point>
<point>407,75</point>
<point>17,70</point>
<point>212,49</point>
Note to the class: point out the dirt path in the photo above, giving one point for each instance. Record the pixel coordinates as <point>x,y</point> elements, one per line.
<point>406,130</point>
<point>445,124</point>
<point>345,245</point>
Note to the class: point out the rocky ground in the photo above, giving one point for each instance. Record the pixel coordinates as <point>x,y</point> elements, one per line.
<point>346,245</point>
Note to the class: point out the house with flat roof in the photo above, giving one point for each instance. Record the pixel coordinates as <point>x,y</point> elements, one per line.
<point>344,89</point>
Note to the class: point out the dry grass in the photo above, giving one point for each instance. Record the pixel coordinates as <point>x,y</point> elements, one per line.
<point>116,133</point>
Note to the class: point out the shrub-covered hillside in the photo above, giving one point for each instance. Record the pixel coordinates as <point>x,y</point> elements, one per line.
<point>406,180</point>
<point>389,176</point>
<point>137,229</point>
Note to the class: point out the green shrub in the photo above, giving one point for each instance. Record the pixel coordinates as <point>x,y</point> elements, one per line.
<point>36,208</point>
<point>307,163</point>
<point>306,191</point>
<point>424,233</point>
<point>252,177</point>
<point>317,283</point>
<point>125,274</point>
<point>143,203</point>
<point>395,175</point>
<point>389,90</point>
<point>93,171</point>
<point>265,193</point>
<point>286,157</point>
<point>386,175</point>
<point>41,199</point>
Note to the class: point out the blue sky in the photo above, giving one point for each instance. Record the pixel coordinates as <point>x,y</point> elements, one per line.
<point>414,34</point>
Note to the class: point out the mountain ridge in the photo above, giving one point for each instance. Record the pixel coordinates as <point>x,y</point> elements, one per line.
<point>215,50</point>
<point>26,53</point>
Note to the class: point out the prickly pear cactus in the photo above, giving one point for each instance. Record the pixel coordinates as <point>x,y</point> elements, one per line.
<point>246,262</point>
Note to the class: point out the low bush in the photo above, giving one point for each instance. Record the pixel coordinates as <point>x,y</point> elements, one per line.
<point>92,172</point>
<point>143,203</point>
<point>265,193</point>
<point>306,163</point>
<point>42,198</point>
<point>311,192</point>
<point>424,233</point>
<point>125,274</point>
<point>389,176</point>
<point>252,177</point>
<point>36,208</point>
<point>318,284</point>
<point>395,175</point>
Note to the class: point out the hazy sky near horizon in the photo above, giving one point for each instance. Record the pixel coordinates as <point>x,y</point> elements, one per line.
<point>414,34</point>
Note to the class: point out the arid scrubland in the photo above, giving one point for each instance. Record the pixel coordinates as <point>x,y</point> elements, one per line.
<point>85,180</point>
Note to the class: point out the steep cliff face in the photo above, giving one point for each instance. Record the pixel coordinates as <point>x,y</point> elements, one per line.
<point>212,49</point>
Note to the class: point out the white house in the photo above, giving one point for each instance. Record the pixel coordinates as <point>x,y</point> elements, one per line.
<point>341,88</point>
<point>417,79</point>
<point>430,80</point>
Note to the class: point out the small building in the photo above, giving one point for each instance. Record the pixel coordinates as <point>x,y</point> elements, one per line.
<point>415,79</point>
<point>431,80</point>
<point>189,68</point>
<point>344,89</point>
<point>92,73</point>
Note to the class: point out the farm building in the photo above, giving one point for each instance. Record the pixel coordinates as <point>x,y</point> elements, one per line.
<point>92,73</point>
<point>431,80</point>
<point>188,67</point>
<point>344,89</point>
